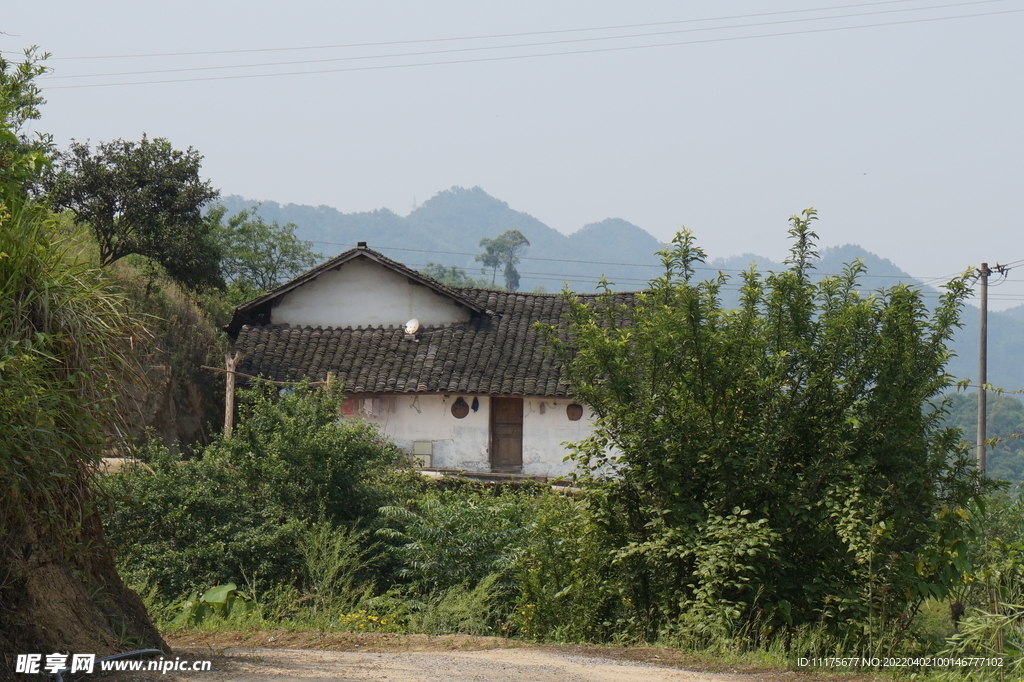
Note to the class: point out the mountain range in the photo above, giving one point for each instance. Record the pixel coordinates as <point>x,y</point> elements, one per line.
<point>447,229</point>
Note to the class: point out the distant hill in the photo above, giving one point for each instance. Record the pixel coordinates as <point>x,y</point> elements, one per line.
<point>448,228</point>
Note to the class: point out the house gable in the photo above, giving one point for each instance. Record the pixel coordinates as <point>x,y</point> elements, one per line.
<point>362,292</point>
<point>358,288</point>
<point>346,318</point>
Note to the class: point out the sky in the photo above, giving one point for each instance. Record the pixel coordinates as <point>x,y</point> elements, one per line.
<point>900,121</point>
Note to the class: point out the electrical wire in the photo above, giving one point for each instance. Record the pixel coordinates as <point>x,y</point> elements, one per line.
<point>658,266</point>
<point>518,45</point>
<point>620,48</point>
<point>477,37</point>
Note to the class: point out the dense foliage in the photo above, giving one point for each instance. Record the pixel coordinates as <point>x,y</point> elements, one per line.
<point>63,347</point>
<point>240,509</point>
<point>257,256</point>
<point>142,198</point>
<point>63,338</point>
<point>782,461</point>
<point>22,157</point>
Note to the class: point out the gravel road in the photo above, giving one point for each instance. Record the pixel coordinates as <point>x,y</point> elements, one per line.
<point>310,656</point>
<point>495,665</point>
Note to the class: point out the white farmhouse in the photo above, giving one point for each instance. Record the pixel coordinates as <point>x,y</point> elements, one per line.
<point>459,377</point>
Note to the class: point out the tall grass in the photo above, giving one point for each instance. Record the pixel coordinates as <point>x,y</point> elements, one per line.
<point>333,557</point>
<point>64,347</point>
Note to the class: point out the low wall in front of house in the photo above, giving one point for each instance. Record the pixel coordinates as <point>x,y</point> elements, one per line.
<point>465,443</point>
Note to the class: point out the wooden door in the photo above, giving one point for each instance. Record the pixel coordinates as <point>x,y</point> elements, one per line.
<point>507,434</point>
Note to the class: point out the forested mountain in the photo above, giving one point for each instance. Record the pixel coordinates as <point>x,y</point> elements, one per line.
<point>447,229</point>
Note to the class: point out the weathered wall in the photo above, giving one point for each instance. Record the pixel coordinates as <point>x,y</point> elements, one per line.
<point>545,428</point>
<point>363,293</point>
<point>464,443</point>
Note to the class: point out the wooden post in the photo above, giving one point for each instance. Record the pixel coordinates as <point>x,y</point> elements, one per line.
<point>330,380</point>
<point>229,393</point>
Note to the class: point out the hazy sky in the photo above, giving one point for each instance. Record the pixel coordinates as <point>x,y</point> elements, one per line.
<point>906,134</point>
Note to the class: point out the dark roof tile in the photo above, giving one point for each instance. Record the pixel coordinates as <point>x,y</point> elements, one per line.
<point>495,353</point>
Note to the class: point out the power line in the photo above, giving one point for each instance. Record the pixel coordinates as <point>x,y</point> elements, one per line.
<point>642,284</point>
<point>593,262</point>
<point>632,281</point>
<point>620,48</point>
<point>520,45</point>
<point>476,37</point>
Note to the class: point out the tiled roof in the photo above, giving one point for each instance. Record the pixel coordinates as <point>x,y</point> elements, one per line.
<point>499,352</point>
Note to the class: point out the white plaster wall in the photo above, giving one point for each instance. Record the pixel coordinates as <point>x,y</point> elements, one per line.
<point>362,292</point>
<point>545,429</point>
<point>464,443</point>
<point>457,443</point>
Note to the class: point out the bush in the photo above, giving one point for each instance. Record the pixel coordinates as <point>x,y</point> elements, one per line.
<point>453,538</point>
<point>244,508</point>
<point>567,588</point>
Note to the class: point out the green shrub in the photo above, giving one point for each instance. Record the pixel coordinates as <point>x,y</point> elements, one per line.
<point>461,609</point>
<point>804,419</point>
<point>566,587</point>
<point>454,538</point>
<point>333,558</point>
<point>63,351</point>
<point>244,508</point>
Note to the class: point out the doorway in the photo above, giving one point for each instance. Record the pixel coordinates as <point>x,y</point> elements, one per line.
<point>507,434</point>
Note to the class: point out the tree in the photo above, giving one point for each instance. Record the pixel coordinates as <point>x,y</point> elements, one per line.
<point>783,461</point>
<point>503,250</point>
<point>256,256</point>
<point>142,198</point>
<point>489,258</point>
<point>22,158</point>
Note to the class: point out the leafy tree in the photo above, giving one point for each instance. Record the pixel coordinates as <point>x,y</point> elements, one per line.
<point>503,250</point>
<point>145,198</point>
<point>781,459</point>
<point>489,259</point>
<point>22,158</point>
<point>256,256</point>
<point>452,276</point>
<point>20,97</point>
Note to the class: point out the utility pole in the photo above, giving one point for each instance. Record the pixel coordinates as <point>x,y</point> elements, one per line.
<point>983,274</point>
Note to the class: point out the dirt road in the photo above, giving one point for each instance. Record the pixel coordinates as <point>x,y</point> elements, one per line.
<point>496,665</point>
<point>308,657</point>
